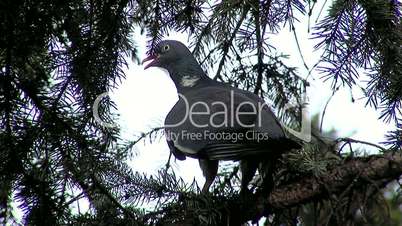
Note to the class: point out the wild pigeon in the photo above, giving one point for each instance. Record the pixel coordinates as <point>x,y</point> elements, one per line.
<point>213,121</point>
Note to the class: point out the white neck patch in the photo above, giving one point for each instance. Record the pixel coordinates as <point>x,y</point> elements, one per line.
<point>188,81</point>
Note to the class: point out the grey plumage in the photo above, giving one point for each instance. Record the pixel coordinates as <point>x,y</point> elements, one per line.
<point>217,103</point>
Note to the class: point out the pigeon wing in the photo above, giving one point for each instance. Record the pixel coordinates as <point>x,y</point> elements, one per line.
<point>197,119</point>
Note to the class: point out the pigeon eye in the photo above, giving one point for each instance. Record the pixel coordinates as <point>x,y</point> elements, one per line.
<point>166,48</point>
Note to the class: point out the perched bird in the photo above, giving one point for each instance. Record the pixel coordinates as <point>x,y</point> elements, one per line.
<point>213,121</point>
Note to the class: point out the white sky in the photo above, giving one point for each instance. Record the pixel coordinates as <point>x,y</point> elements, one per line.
<point>145,98</point>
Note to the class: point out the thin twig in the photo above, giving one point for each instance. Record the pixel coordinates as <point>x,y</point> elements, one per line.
<point>351,140</point>
<point>299,49</point>
<point>165,173</point>
<point>228,43</point>
<point>319,14</point>
<point>167,166</point>
<point>76,198</point>
<point>325,109</point>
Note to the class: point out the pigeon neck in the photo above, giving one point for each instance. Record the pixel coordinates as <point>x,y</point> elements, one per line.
<point>187,75</point>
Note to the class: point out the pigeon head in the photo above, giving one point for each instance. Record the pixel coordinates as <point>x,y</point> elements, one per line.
<point>167,53</point>
<point>177,59</point>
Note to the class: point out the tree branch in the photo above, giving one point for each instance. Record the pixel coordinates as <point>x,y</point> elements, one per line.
<point>260,55</point>
<point>356,172</point>
<point>386,167</point>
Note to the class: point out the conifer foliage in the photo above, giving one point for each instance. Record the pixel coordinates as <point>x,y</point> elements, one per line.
<point>57,57</point>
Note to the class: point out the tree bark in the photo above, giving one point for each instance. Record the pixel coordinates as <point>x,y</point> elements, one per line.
<point>376,168</point>
<point>360,171</point>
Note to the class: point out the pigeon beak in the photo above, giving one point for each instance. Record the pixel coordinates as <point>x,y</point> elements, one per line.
<point>152,57</point>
